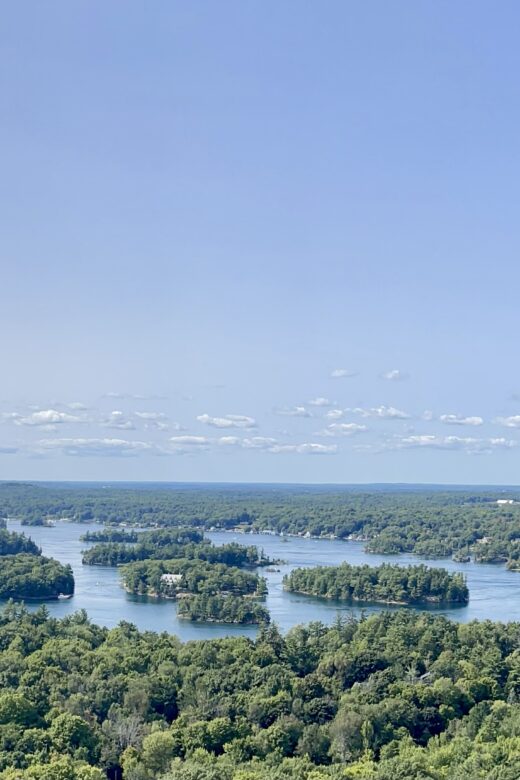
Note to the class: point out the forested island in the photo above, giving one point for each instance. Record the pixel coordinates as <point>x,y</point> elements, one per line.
<point>206,590</point>
<point>181,577</point>
<point>42,522</point>
<point>173,543</point>
<point>222,609</point>
<point>109,534</point>
<point>208,582</point>
<point>387,584</point>
<point>26,575</point>
<point>433,523</point>
<point>33,577</point>
<point>397,696</point>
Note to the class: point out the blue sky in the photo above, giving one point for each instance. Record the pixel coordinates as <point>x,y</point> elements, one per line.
<point>209,209</point>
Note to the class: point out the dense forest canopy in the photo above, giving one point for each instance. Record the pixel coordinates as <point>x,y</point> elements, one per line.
<point>219,608</point>
<point>387,583</point>
<point>24,576</point>
<point>12,543</point>
<point>429,522</point>
<point>173,543</point>
<point>398,696</point>
<point>148,577</point>
<point>109,534</point>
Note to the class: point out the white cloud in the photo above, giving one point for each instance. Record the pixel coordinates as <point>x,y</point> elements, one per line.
<point>509,422</point>
<point>150,415</point>
<point>308,448</point>
<point>335,414</point>
<point>271,445</point>
<point>250,443</point>
<point>343,429</point>
<point>385,412</point>
<point>77,406</point>
<point>259,443</point>
<point>427,415</point>
<point>190,441</point>
<point>228,421</point>
<point>293,411</point>
<point>95,447</point>
<point>342,373</point>
<point>319,402</point>
<point>394,375</point>
<point>458,419</point>
<point>118,420</point>
<point>229,441</point>
<point>44,417</point>
<point>467,444</point>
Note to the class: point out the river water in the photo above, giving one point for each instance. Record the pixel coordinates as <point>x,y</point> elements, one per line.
<point>494,591</point>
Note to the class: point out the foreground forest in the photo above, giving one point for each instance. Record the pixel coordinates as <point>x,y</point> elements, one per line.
<point>432,523</point>
<point>398,696</point>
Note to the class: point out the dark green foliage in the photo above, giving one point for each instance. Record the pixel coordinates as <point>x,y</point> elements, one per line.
<point>386,583</point>
<point>13,543</point>
<point>37,521</point>
<point>428,522</point>
<point>222,609</point>
<point>25,576</point>
<point>399,696</point>
<point>114,554</point>
<point>196,577</point>
<point>111,535</point>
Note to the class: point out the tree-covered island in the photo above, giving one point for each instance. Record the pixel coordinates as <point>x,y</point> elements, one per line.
<point>180,577</point>
<point>222,609</point>
<point>168,543</point>
<point>33,577</point>
<point>387,584</point>
<point>26,575</point>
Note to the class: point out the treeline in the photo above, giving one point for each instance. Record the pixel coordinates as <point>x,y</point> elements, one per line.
<point>433,523</point>
<point>222,609</point>
<point>387,584</point>
<point>398,696</point>
<point>194,577</point>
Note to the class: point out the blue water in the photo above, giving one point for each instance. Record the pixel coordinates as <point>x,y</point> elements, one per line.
<point>494,591</point>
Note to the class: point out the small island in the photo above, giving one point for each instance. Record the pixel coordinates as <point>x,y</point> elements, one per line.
<point>111,535</point>
<point>43,522</point>
<point>386,584</point>
<point>222,609</point>
<point>26,575</point>
<point>33,577</point>
<point>179,578</point>
<point>166,544</point>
